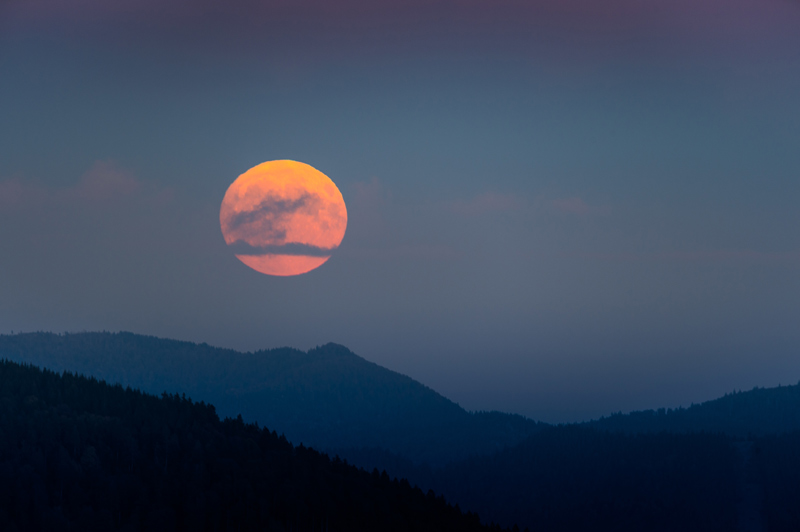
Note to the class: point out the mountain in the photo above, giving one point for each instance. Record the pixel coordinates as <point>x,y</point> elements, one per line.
<point>776,468</point>
<point>328,398</point>
<point>699,468</point>
<point>575,478</point>
<point>572,478</point>
<point>757,412</point>
<point>77,454</point>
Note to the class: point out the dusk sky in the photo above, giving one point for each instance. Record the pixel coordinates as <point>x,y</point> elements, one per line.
<point>559,209</point>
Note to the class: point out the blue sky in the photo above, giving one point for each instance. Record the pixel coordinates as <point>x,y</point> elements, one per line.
<point>557,211</point>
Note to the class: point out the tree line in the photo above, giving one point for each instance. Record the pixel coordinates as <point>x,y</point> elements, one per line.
<point>79,454</point>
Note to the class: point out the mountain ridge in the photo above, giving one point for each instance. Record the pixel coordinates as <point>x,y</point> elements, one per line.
<point>740,414</point>
<point>327,397</point>
<point>599,468</point>
<point>78,454</point>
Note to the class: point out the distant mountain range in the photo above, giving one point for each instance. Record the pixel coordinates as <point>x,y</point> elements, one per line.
<point>668,469</point>
<point>328,398</point>
<point>757,412</point>
<point>333,400</point>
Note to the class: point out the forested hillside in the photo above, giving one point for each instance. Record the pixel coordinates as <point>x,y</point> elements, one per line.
<point>759,411</point>
<point>327,398</point>
<point>777,469</point>
<point>664,470</point>
<point>569,478</point>
<point>576,479</point>
<point>77,454</point>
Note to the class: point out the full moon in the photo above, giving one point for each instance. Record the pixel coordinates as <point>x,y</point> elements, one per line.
<point>283,218</point>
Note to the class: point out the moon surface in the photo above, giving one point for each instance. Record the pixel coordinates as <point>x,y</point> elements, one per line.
<point>283,218</point>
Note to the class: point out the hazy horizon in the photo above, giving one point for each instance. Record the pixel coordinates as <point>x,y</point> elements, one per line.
<point>561,211</point>
<point>692,401</point>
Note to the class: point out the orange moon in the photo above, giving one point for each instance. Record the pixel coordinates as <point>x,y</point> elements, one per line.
<point>283,218</point>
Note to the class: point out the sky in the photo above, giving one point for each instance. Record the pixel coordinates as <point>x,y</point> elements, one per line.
<point>558,209</point>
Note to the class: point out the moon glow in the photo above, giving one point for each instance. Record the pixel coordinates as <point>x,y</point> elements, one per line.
<point>283,218</point>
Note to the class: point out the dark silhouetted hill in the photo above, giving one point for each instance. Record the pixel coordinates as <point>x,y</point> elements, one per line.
<point>77,454</point>
<point>327,398</point>
<point>757,412</point>
<point>658,470</point>
<point>776,461</point>
<point>571,478</point>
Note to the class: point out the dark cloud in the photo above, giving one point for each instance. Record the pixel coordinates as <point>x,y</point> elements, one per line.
<point>272,214</point>
<point>292,248</point>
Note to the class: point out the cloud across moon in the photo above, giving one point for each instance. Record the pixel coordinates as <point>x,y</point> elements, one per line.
<point>283,218</point>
